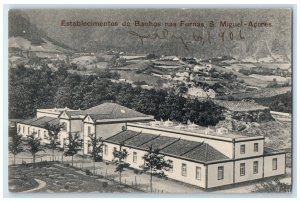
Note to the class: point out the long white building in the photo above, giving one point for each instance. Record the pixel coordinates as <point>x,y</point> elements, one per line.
<point>203,157</point>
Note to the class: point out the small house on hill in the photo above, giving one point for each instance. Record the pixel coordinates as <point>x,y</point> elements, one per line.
<point>245,111</point>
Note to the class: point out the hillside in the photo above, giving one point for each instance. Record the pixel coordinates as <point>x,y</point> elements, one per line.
<point>259,44</point>
<point>24,35</point>
<point>45,46</point>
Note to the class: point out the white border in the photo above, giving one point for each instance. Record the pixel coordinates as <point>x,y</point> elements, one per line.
<point>160,3</point>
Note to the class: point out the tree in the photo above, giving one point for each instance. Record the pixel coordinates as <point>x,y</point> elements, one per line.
<point>34,144</point>
<point>155,163</point>
<point>72,145</point>
<point>15,145</point>
<point>119,157</point>
<point>272,185</point>
<point>53,132</point>
<point>96,144</point>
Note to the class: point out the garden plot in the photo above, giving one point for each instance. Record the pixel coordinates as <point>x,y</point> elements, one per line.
<point>58,179</point>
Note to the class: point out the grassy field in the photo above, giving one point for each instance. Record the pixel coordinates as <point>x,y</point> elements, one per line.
<point>248,80</point>
<point>149,79</point>
<point>263,93</point>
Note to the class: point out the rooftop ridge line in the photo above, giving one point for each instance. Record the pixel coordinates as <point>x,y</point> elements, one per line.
<point>171,143</point>
<point>138,133</point>
<point>201,143</point>
<point>156,136</point>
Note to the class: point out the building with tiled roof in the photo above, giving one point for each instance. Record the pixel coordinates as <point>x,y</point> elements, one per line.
<point>247,111</point>
<point>209,159</point>
<point>201,156</point>
<point>104,120</point>
<point>37,126</point>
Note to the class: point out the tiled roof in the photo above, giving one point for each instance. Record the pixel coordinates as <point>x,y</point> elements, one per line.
<point>75,113</point>
<point>198,151</point>
<point>205,153</point>
<point>140,139</point>
<point>41,121</point>
<point>122,136</point>
<point>180,147</point>
<point>28,121</point>
<point>268,150</point>
<point>159,142</point>
<point>114,111</point>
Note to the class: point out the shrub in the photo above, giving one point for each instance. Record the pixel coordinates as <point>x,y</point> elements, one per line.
<point>88,172</point>
<point>272,185</point>
<point>98,159</point>
<point>137,171</point>
<point>105,184</point>
<point>24,178</point>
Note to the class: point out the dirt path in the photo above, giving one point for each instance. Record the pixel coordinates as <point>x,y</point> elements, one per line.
<point>41,185</point>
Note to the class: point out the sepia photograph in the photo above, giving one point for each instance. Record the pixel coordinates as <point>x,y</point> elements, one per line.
<point>167,100</point>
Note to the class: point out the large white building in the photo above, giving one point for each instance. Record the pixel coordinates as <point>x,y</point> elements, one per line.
<point>204,157</point>
<point>103,120</point>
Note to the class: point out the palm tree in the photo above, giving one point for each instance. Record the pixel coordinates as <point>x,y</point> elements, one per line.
<point>34,144</point>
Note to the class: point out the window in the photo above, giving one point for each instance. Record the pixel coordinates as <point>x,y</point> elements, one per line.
<point>255,167</point>
<point>255,147</point>
<point>198,173</point>
<point>89,130</point>
<point>23,129</point>
<point>46,136</point>
<point>134,157</point>
<point>274,164</point>
<point>105,149</point>
<point>220,172</point>
<point>19,128</point>
<point>39,134</point>
<point>242,149</point>
<point>242,169</point>
<point>28,131</point>
<point>183,169</point>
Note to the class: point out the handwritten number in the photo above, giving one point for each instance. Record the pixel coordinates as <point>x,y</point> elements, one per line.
<point>241,36</point>
<point>231,36</point>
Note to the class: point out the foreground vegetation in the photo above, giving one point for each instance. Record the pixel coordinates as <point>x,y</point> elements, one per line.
<point>57,179</point>
<point>271,186</point>
<point>31,89</point>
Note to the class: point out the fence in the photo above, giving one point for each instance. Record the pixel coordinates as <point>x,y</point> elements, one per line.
<point>86,167</point>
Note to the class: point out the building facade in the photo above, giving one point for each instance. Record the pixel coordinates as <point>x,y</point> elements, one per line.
<point>201,158</point>
<point>204,157</point>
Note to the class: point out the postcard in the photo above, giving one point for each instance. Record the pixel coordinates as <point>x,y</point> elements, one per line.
<point>150,100</point>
